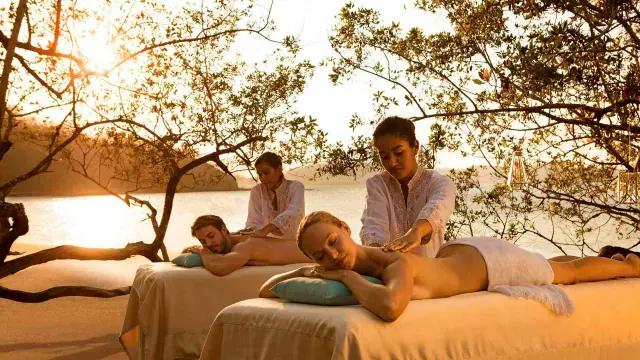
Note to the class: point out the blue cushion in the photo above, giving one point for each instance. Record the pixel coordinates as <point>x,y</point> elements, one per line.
<point>317,291</point>
<point>188,260</point>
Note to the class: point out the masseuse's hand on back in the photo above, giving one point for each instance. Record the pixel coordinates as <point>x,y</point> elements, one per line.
<point>419,234</point>
<point>264,231</point>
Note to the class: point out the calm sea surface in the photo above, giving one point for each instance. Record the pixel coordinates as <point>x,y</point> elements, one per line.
<point>104,221</point>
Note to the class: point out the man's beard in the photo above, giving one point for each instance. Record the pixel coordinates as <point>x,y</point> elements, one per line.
<point>226,246</point>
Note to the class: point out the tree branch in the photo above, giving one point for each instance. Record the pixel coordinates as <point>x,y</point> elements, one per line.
<point>180,41</point>
<point>35,75</point>
<point>56,32</point>
<point>6,187</point>
<point>61,291</point>
<point>4,40</point>
<point>539,109</point>
<point>10,47</point>
<point>65,252</point>
<point>172,184</point>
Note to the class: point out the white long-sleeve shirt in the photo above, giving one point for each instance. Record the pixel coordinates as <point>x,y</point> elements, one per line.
<point>288,213</point>
<point>431,197</point>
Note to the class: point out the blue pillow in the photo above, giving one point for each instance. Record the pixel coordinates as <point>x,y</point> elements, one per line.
<point>188,260</point>
<point>317,291</point>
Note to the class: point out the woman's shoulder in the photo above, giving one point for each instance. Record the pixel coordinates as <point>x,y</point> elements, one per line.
<point>257,189</point>
<point>435,176</point>
<point>295,184</point>
<point>377,179</point>
<point>431,174</point>
<point>383,258</point>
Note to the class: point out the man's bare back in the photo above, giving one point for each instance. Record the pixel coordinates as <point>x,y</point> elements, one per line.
<point>270,251</point>
<point>223,253</point>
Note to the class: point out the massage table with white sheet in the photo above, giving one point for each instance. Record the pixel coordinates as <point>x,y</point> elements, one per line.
<point>171,308</point>
<point>482,325</point>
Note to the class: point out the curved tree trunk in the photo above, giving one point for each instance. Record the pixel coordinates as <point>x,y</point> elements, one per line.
<point>5,144</point>
<point>67,252</point>
<point>11,230</point>
<point>14,223</point>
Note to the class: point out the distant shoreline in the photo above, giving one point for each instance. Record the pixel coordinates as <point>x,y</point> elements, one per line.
<point>107,194</point>
<point>308,187</point>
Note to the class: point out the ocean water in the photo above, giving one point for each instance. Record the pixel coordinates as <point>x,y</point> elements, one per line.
<point>105,221</point>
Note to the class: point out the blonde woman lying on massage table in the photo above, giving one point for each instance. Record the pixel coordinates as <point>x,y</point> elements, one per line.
<point>459,267</point>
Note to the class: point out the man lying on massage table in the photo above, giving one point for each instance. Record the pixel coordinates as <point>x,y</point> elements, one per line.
<point>223,253</point>
<point>461,266</point>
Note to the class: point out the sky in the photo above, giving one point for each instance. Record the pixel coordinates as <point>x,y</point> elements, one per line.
<point>333,105</point>
<point>311,22</point>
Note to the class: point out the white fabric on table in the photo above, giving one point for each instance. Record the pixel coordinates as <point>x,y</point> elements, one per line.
<point>286,217</point>
<point>481,325</point>
<point>516,272</point>
<point>431,197</point>
<point>171,308</point>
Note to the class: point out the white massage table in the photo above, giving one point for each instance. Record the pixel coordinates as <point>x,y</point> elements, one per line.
<point>171,308</point>
<point>483,325</point>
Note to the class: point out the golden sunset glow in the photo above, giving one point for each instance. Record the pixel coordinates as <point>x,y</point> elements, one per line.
<point>98,221</point>
<point>416,179</point>
<point>99,53</point>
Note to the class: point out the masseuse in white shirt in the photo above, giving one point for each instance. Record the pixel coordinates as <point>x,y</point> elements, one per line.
<point>276,205</point>
<point>407,206</point>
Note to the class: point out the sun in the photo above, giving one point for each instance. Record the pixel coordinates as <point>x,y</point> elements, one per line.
<point>98,53</point>
<point>99,221</point>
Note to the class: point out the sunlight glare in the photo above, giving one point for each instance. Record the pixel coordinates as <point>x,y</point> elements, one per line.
<point>98,52</point>
<point>98,221</point>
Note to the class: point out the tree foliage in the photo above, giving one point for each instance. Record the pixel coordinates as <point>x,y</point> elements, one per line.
<point>555,80</point>
<point>176,95</point>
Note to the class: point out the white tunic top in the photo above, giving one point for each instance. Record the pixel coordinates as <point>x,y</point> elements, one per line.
<point>431,197</point>
<point>288,213</point>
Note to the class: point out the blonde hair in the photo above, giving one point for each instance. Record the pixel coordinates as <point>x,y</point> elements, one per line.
<point>314,218</point>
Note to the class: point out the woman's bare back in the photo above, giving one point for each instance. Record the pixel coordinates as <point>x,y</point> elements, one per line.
<point>457,269</point>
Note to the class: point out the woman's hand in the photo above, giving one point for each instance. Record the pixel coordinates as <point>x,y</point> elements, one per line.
<point>404,243</point>
<point>317,271</point>
<point>413,238</point>
<point>307,271</point>
<point>242,231</point>
<point>266,230</point>
<point>337,275</point>
<point>259,233</point>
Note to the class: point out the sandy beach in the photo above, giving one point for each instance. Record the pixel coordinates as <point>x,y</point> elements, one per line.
<point>70,327</point>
